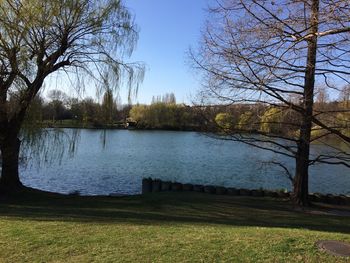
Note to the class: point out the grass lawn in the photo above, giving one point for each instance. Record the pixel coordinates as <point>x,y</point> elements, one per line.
<point>162,227</point>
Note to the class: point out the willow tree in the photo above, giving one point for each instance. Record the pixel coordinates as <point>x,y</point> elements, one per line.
<point>90,38</point>
<point>274,53</point>
<point>108,107</point>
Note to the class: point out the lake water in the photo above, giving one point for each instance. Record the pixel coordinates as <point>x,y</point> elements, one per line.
<point>115,161</point>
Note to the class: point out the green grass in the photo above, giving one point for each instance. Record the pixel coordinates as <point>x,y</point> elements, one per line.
<point>163,227</point>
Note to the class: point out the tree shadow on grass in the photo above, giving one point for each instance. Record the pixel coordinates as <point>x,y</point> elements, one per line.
<point>168,208</point>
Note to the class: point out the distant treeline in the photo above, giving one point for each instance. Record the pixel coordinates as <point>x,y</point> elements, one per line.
<point>279,120</point>
<point>61,110</point>
<point>164,113</point>
<point>244,118</point>
<point>170,116</point>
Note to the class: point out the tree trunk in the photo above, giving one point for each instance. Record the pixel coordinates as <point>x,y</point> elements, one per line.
<point>301,179</point>
<point>9,180</point>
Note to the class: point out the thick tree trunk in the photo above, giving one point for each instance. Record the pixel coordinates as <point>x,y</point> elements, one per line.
<point>301,179</point>
<point>9,181</point>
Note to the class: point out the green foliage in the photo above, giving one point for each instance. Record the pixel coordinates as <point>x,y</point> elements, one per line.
<point>224,121</point>
<point>162,116</point>
<point>138,113</point>
<point>33,120</point>
<point>245,121</point>
<point>271,121</point>
<point>316,132</point>
<point>343,121</point>
<point>91,38</point>
<point>108,108</point>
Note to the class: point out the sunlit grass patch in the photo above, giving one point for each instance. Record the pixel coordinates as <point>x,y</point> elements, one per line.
<point>164,227</point>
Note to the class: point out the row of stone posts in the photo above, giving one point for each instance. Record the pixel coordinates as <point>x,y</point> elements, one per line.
<point>150,185</point>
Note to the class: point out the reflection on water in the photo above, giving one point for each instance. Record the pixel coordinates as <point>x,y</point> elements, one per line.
<point>49,146</point>
<point>115,161</point>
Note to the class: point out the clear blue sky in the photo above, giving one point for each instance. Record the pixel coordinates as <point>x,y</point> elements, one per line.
<point>167,29</point>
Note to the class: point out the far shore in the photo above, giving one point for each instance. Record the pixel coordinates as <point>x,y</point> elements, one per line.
<point>71,124</point>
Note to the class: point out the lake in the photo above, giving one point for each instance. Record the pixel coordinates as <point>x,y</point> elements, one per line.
<point>115,161</point>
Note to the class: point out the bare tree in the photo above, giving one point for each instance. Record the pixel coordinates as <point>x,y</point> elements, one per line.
<point>322,95</point>
<point>90,38</point>
<point>267,52</point>
<point>344,95</point>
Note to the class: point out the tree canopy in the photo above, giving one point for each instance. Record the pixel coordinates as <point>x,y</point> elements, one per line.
<point>275,53</point>
<point>89,40</point>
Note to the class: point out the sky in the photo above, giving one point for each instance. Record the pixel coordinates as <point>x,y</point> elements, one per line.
<point>168,28</point>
